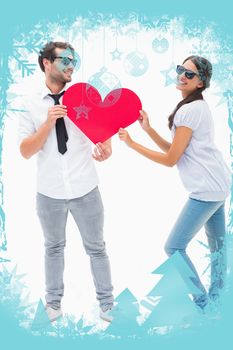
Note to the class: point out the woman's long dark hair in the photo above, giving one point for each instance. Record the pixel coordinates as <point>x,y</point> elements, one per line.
<point>204,68</point>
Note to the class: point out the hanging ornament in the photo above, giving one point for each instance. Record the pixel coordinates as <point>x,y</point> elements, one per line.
<point>116,54</point>
<point>160,45</point>
<point>170,74</point>
<point>105,81</point>
<point>136,63</point>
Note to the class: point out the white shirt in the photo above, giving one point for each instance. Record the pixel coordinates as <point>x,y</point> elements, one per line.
<point>66,176</point>
<point>202,169</point>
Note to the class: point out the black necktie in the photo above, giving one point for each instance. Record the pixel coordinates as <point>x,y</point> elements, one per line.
<point>62,136</point>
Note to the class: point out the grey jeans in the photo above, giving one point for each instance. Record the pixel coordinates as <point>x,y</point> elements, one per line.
<point>88,214</point>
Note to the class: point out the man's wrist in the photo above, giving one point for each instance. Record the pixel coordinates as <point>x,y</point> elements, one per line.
<point>48,124</point>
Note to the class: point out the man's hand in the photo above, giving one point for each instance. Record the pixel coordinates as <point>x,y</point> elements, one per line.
<point>102,151</point>
<point>55,112</point>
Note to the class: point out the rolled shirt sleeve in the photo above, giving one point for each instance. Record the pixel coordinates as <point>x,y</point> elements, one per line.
<point>26,126</point>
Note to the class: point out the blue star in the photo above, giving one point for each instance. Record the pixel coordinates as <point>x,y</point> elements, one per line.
<point>82,111</point>
<point>170,74</point>
<point>116,54</point>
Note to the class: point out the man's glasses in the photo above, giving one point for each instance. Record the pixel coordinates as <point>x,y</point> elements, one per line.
<point>66,61</point>
<point>188,73</point>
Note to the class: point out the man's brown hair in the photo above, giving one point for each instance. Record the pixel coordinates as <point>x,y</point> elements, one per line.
<point>48,51</point>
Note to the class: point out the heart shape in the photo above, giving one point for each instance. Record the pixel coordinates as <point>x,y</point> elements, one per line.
<point>99,120</point>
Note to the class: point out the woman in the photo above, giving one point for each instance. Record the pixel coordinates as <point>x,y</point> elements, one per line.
<point>201,168</point>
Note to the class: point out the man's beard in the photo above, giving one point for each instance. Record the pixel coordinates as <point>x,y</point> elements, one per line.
<point>62,79</point>
<point>68,75</point>
<point>66,79</point>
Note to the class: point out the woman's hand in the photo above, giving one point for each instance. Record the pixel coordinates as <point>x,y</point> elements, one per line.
<point>124,136</point>
<point>144,120</point>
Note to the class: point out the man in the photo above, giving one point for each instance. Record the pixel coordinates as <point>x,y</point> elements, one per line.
<point>66,179</point>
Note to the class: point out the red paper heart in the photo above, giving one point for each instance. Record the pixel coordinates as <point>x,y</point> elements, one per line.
<point>99,120</point>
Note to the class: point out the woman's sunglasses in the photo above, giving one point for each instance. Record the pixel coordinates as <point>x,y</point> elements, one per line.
<point>66,60</point>
<point>188,73</point>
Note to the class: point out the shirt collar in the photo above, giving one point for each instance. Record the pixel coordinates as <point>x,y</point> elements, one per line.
<point>45,90</point>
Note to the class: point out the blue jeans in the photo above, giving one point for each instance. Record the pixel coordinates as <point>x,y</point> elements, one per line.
<point>193,217</point>
<point>88,214</point>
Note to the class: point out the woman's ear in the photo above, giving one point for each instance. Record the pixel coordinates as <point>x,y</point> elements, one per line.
<point>200,84</point>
